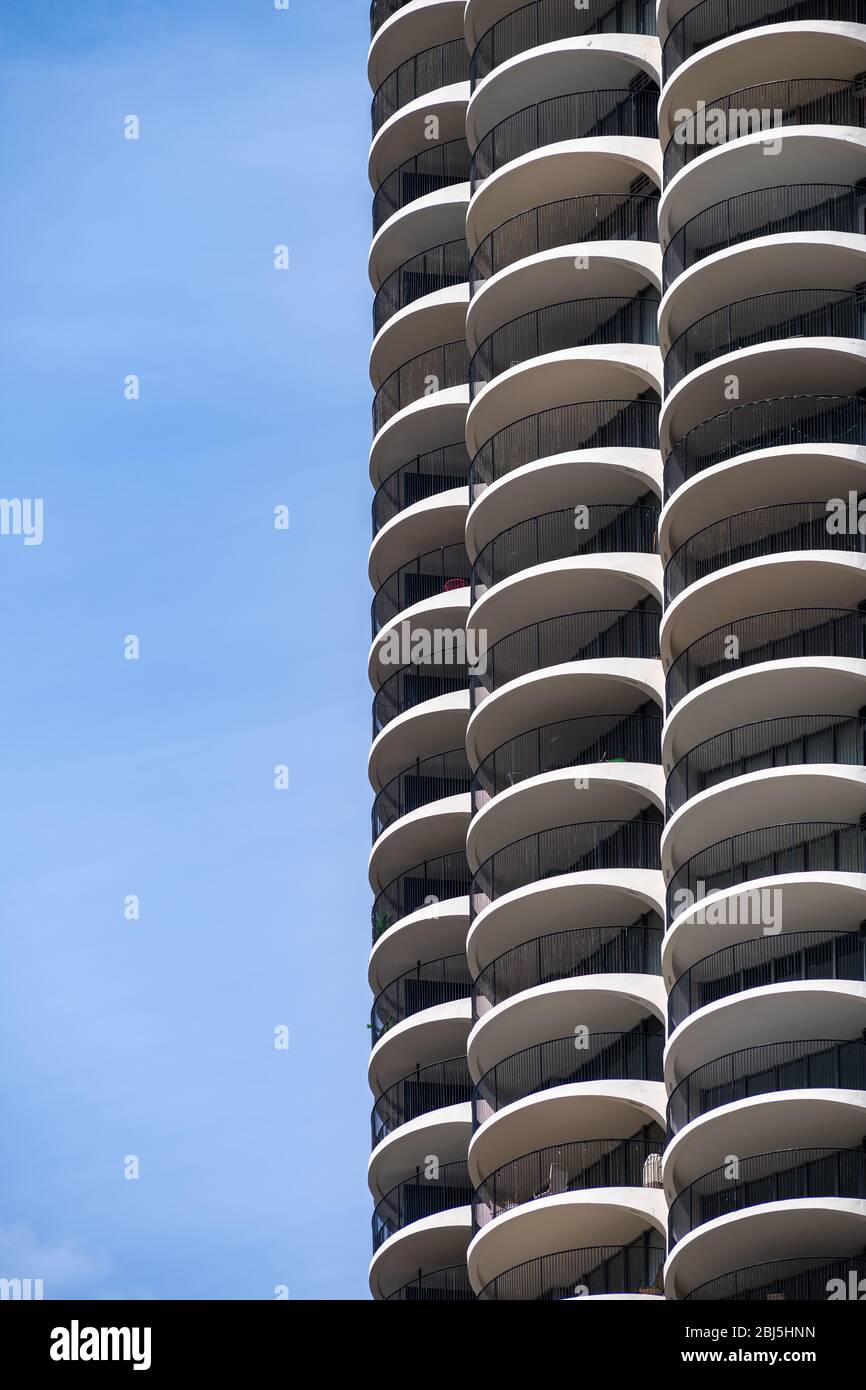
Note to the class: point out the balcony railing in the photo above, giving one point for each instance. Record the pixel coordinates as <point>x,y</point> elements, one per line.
<point>435,370</point>
<point>425,986</point>
<point>440,268</point>
<point>796,740</point>
<point>586,218</point>
<point>568,955</point>
<point>795,101</point>
<point>431,881</point>
<point>545,21</point>
<point>439,571</point>
<point>599,528</point>
<point>442,1286</point>
<point>774,530</point>
<point>615,112</point>
<point>561,429</point>
<point>380,10</point>
<point>447,1189</point>
<point>796,207</point>
<point>580,1057</point>
<point>810,1064</point>
<point>607,319</point>
<point>437,167</point>
<point>765,961</point>
<point>426,1088</point>
<point>422,477</point>
<point>722,19</point>
<point>788,1175</point>
<point>774,423</point>
<point>443,65</point>
<point>809,1279</point>
<point>764,318</point>
<point>593,1270</point>
<point>586,739</point>
<point>784,635</point>
<point>413,684</point>
<point>566,849</point>
<point>560,1168</point>
<point>601,635</point>
<point>800,847</point>
<point>426,781</point>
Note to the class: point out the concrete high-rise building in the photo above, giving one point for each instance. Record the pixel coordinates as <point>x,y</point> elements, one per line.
<point>619,648</point>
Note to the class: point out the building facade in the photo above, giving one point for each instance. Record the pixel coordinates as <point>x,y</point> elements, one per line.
<point>618,649</point>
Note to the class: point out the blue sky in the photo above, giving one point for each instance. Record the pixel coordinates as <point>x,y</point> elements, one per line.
<point>154,777</point>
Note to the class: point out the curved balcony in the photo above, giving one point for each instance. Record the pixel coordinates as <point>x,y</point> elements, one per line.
<point>613,111</point>
<point>764,318</point>
<point>423,477</point>
<point>380,10</point>
<point>432,881</point>
<point>437,572</point>
<point>785,1176</point>
<point>811,1064</point>
<point>437,369</point>
<point>797,740</point>
<point>588,738</point>
<point>600,635</point>
<point>592,1271</point>
<point>439,268</point>
<point>584,847</point>
<point>427,780</point>
<point>413,685</point>
<point>784,635</point>
<point>766,961</point>
<point>633,1056</point>
<point>810,1279</point>
<point>586,218</point>
<point>795,101</point>
<point>440,166</point>
<point>567,955</point>
<point>545,21</point>
<point>420,1196</point>
<point>775,423</point>
<point>774,530</point>
<point>764,212</point>
<point>443,65</point>
<point>801,847</point>
<point>425,1089</point>
<point>558,327</point>
<point>559,1168</point>
<point>424,987</point>
<point>449,1285</point>
<point>599,528</point>
<point>630,424</point>
<point>722,19</point>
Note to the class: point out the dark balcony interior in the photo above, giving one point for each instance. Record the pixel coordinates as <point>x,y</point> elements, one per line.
<point>441,65</point>
<point>439,166</point>
<point>436,1087</point>
<point>424,987</point>
<point>809,1279</point>
<point>423,477</point>
<point>602,1269</point>
<point>721,19</point>
<point>545,21</point>
<point>431,881</point>
<point>445,1189</point>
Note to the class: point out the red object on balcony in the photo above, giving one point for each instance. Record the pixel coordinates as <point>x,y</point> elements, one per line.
<point>454,584</point>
